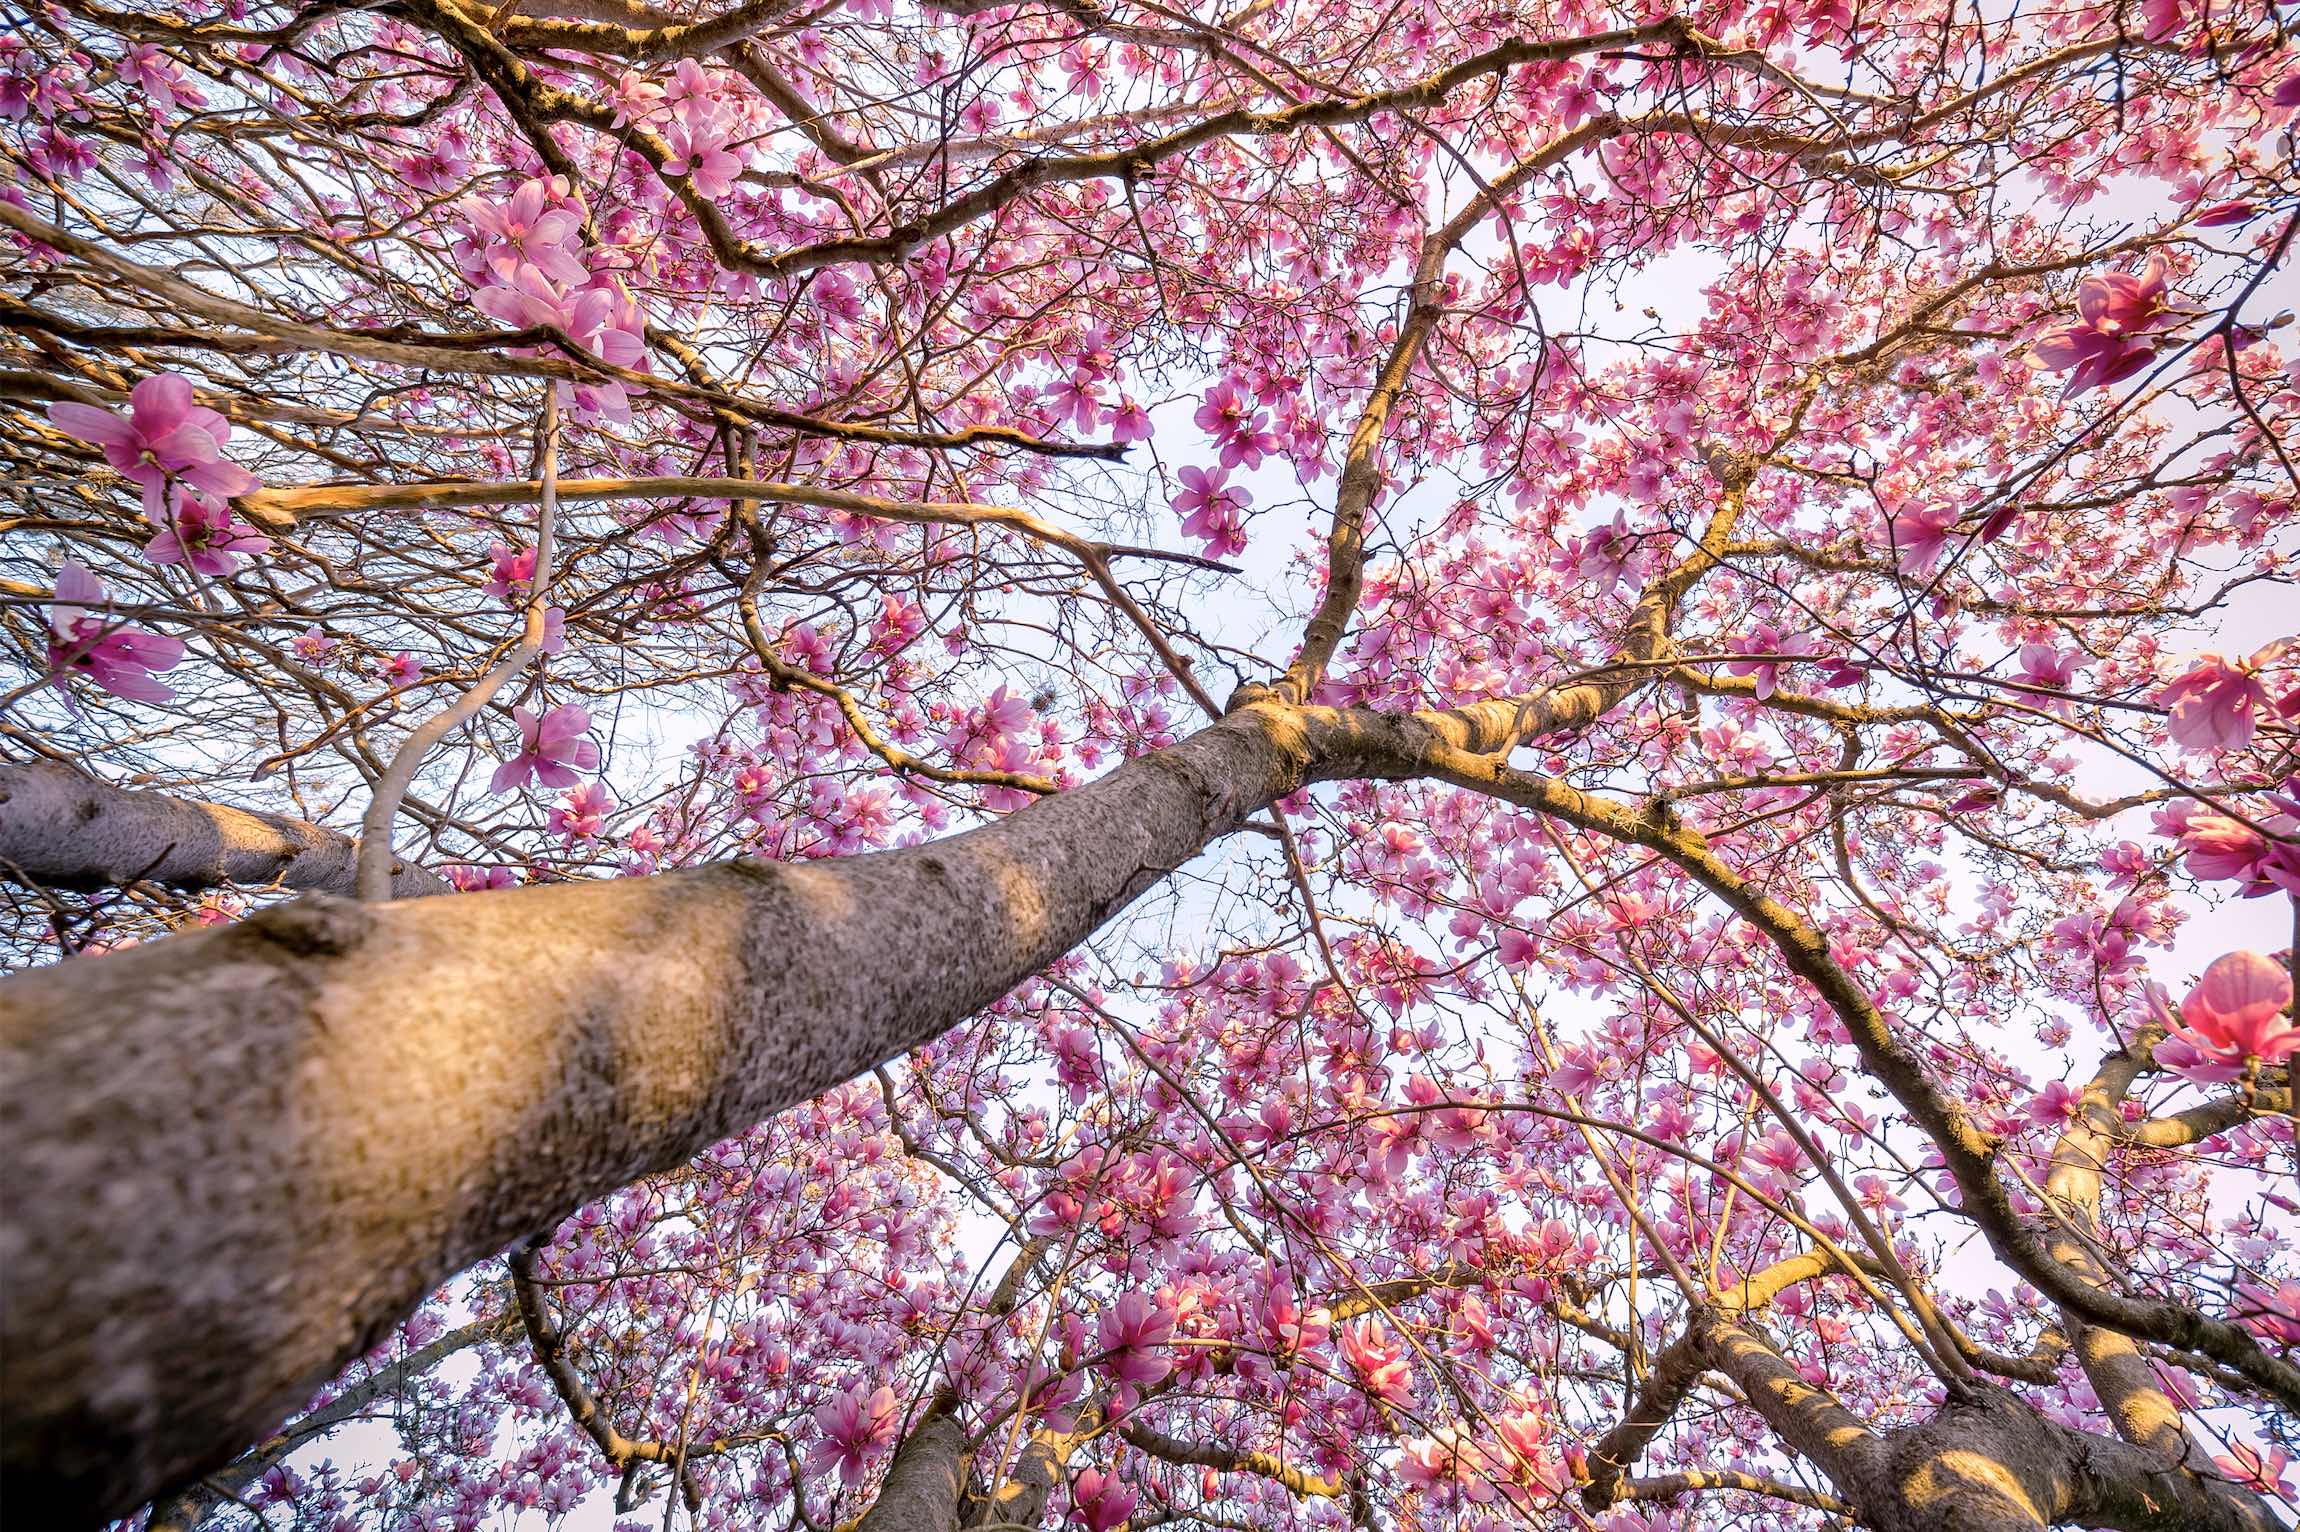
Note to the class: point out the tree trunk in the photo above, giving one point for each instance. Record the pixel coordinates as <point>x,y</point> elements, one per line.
<point>63,829</point>
<point>921,1490</point>
<point>237,1157</point>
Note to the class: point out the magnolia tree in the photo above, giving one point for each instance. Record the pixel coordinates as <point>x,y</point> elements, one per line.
<point>915,764</point>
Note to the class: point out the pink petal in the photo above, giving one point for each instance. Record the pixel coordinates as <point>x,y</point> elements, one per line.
<point>77,587</point>
<point>162,403</point>
<point>2238,988</point>
<point>90,424</point>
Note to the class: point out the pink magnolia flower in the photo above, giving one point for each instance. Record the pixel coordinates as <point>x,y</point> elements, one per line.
<point>1293,1328</point>
<point>164,436</point>
<point>472,880</point>
<point>1771,648</point>
<point>699,151</point>
<point>2056,1106</point>
<point>118,659</point>
<point>552,748</point>
<point>202,533</point>
<point>2255,1470</point>
<point>1446,1462</point>
<point>402,670</point>
<point>2159,19</point>
<point>604,321</point>
<point>2222,214</point>
<point>523,231</point>
<point>509,574</point>
<point>690,90</point>
<point>527,296</point>
<point>1130,422</point>
<point>162,79</point>
<point>1379,1361</point>
<point>2045,665</point>
<point>2271,1312</point>
<point>2218,847</point>
<point>2118,313</point>
<point>1133,1332</point>
<point>2192,1063</point>
<point>2213,702</point>
<point>852,1425</point>
<point>583,814</point>
<point>1212,510</point>
<point>2237,1011</point>
<point>1921,534</point>
<point>1103,1503</point>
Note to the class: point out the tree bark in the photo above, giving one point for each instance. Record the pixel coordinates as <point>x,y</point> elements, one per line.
<point>922,1486</point>
<point>238,1156</point>
<point>61,828</point>
<point>1988,1462</point>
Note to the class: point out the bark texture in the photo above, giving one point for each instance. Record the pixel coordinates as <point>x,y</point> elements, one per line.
<point>239,1156</point>
<point>64,829</point>
<point>923,1483</point>
<point>1988,1462</point>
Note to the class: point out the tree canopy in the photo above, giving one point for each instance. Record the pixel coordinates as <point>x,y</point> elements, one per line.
<point>911,764</point>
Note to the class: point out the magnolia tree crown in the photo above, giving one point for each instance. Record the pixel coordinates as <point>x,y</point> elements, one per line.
<point>1683,620</point>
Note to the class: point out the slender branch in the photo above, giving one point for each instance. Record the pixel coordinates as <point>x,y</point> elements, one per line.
<point>375,827</point>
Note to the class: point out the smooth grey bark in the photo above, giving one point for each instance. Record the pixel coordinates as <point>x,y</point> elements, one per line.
<point>237,1157</point>
<point>65,829</point>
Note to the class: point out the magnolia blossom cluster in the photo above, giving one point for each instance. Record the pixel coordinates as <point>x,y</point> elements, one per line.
<point>172,447</point>
<point>85,639</point>
<point>1218,1163</point>
<point>2256,845</point>
<point>2218,703</point>
<point>699,124</point>
<point>526,260</point>
<point>553,747</point>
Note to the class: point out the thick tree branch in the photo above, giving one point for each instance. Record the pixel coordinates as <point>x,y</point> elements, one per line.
<point>64,829</point>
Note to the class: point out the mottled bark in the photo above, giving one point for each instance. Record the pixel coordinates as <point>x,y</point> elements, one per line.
<point>1988,1462</point>
<point>238,1156</point>
<point>921,1490</point>
<point>64,829</point>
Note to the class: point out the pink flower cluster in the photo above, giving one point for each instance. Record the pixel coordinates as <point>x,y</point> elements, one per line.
<point>854,1425</point>
<point>1003,734</point>
<point>1103,1503</point>
<point>2119,317</point>
<point>173,447</point>
<point>1213,510</point>
<point>1378,1359</point>
<point>2240,1010</point>
<point>2260,852</point>
<point>1135,1332</point>
<point>552,748</point>
<point>524,256</point>
<point>582,814</point>
<point>2214,703</point>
